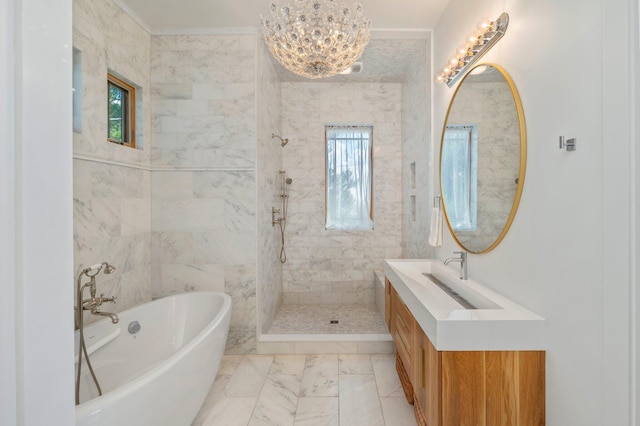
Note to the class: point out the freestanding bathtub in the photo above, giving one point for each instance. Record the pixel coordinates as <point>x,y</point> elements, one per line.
<point>161,373</point>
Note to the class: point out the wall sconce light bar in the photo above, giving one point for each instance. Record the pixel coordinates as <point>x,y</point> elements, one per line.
<point>476,45</point>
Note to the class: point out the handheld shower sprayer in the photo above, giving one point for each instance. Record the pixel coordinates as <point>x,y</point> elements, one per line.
<point>92,271</point>
<point>283,142</point>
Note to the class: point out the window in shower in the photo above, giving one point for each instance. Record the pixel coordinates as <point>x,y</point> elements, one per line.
<point>349,182</point>
<point>460,175</point>
<point>121,101</point>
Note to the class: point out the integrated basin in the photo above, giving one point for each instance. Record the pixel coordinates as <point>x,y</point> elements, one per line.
<point>462,294</point>
<point>462,314</point>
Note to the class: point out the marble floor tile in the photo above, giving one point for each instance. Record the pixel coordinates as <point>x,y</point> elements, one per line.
<point>384,368</point>
<point>306,390</point>
<point>288,364</point>
<point>249,376</point>
<point>397,412</point>
<point>229,363</point>
<point>355,364</point>
<point>320,376</point>
<point>217,391</point>
<point>231,412</point>
<point>278,400</point>
<point>318,412</point>
<point>359,401</point>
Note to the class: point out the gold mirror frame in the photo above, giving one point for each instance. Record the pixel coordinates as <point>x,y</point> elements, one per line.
<point>523,159</point>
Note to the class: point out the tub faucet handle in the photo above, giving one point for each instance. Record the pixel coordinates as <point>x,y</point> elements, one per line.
<point>107,299</point>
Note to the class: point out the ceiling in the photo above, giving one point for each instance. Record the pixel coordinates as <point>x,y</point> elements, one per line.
<point>190,15</point>
<point>400,29</point>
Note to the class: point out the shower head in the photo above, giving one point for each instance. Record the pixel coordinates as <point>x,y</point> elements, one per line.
<point>108,269</point>
<point>283,142</point>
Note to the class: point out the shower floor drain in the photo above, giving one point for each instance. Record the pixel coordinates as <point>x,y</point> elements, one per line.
<point>333,322</point>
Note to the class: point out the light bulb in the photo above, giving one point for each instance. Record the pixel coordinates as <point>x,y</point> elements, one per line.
<point>440,79</point>
<point>485,25</point>
<point>453,61</point>
<point>462,51</point>
<point>472,40</point>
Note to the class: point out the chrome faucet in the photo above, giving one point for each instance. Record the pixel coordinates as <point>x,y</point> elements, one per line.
<point>463,263</point>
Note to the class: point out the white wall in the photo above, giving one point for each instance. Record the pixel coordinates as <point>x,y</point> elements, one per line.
<point>35,197</point>
<point>566,256</point>
<point>8,410</point>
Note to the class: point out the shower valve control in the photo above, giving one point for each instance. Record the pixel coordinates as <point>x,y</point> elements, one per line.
<point>275,220</point>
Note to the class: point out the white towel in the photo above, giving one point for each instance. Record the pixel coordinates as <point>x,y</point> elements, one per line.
<point>435,231</point>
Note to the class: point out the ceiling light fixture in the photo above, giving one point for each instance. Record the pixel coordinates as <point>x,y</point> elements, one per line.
<point>476,45</point>
<point>314,38</point>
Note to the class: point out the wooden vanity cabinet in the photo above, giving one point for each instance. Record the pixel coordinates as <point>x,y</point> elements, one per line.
<point>475,388</point>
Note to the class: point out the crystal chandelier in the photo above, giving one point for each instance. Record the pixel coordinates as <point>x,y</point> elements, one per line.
<point>315,38</point>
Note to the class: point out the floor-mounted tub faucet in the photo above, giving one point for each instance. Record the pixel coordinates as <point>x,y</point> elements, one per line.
<point>463,263</point>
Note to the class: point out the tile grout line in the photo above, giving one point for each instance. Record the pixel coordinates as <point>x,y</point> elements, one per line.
<point>295,414</point>
<point>255,404</point>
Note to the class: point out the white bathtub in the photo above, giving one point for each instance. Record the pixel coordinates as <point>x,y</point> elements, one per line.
<point>161,374</point>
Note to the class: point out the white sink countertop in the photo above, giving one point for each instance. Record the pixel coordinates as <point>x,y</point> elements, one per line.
<point>498,325</point>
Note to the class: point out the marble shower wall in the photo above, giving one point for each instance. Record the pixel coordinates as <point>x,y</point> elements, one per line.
<point>112,183</point>
<point>417,157</point>
<point>269,163</point>
<point>337,266</point>
<point>204,172</point>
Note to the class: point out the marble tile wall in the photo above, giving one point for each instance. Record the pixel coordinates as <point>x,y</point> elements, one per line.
<point>491,105</point>
<point>110,41</point>
<point>204,172</point>
<point>203,100</point>
<point>112,183</point>
<point>417,157</point>
<point>337,266</point>
<point>269,163</point>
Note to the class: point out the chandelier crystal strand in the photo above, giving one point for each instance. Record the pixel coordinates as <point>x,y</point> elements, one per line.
<point>314,38</point>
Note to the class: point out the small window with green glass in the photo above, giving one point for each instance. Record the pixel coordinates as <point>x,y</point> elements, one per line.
<point>121,97</point>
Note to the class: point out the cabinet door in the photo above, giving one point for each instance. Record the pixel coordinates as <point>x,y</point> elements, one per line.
<point>515,388</point>
<point>463,388</point>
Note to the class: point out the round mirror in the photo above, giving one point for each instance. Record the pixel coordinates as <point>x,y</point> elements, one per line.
<point>482,158</point>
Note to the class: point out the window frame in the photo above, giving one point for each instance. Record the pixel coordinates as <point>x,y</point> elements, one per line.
<point>349,127</point>
<point>129,116</point>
